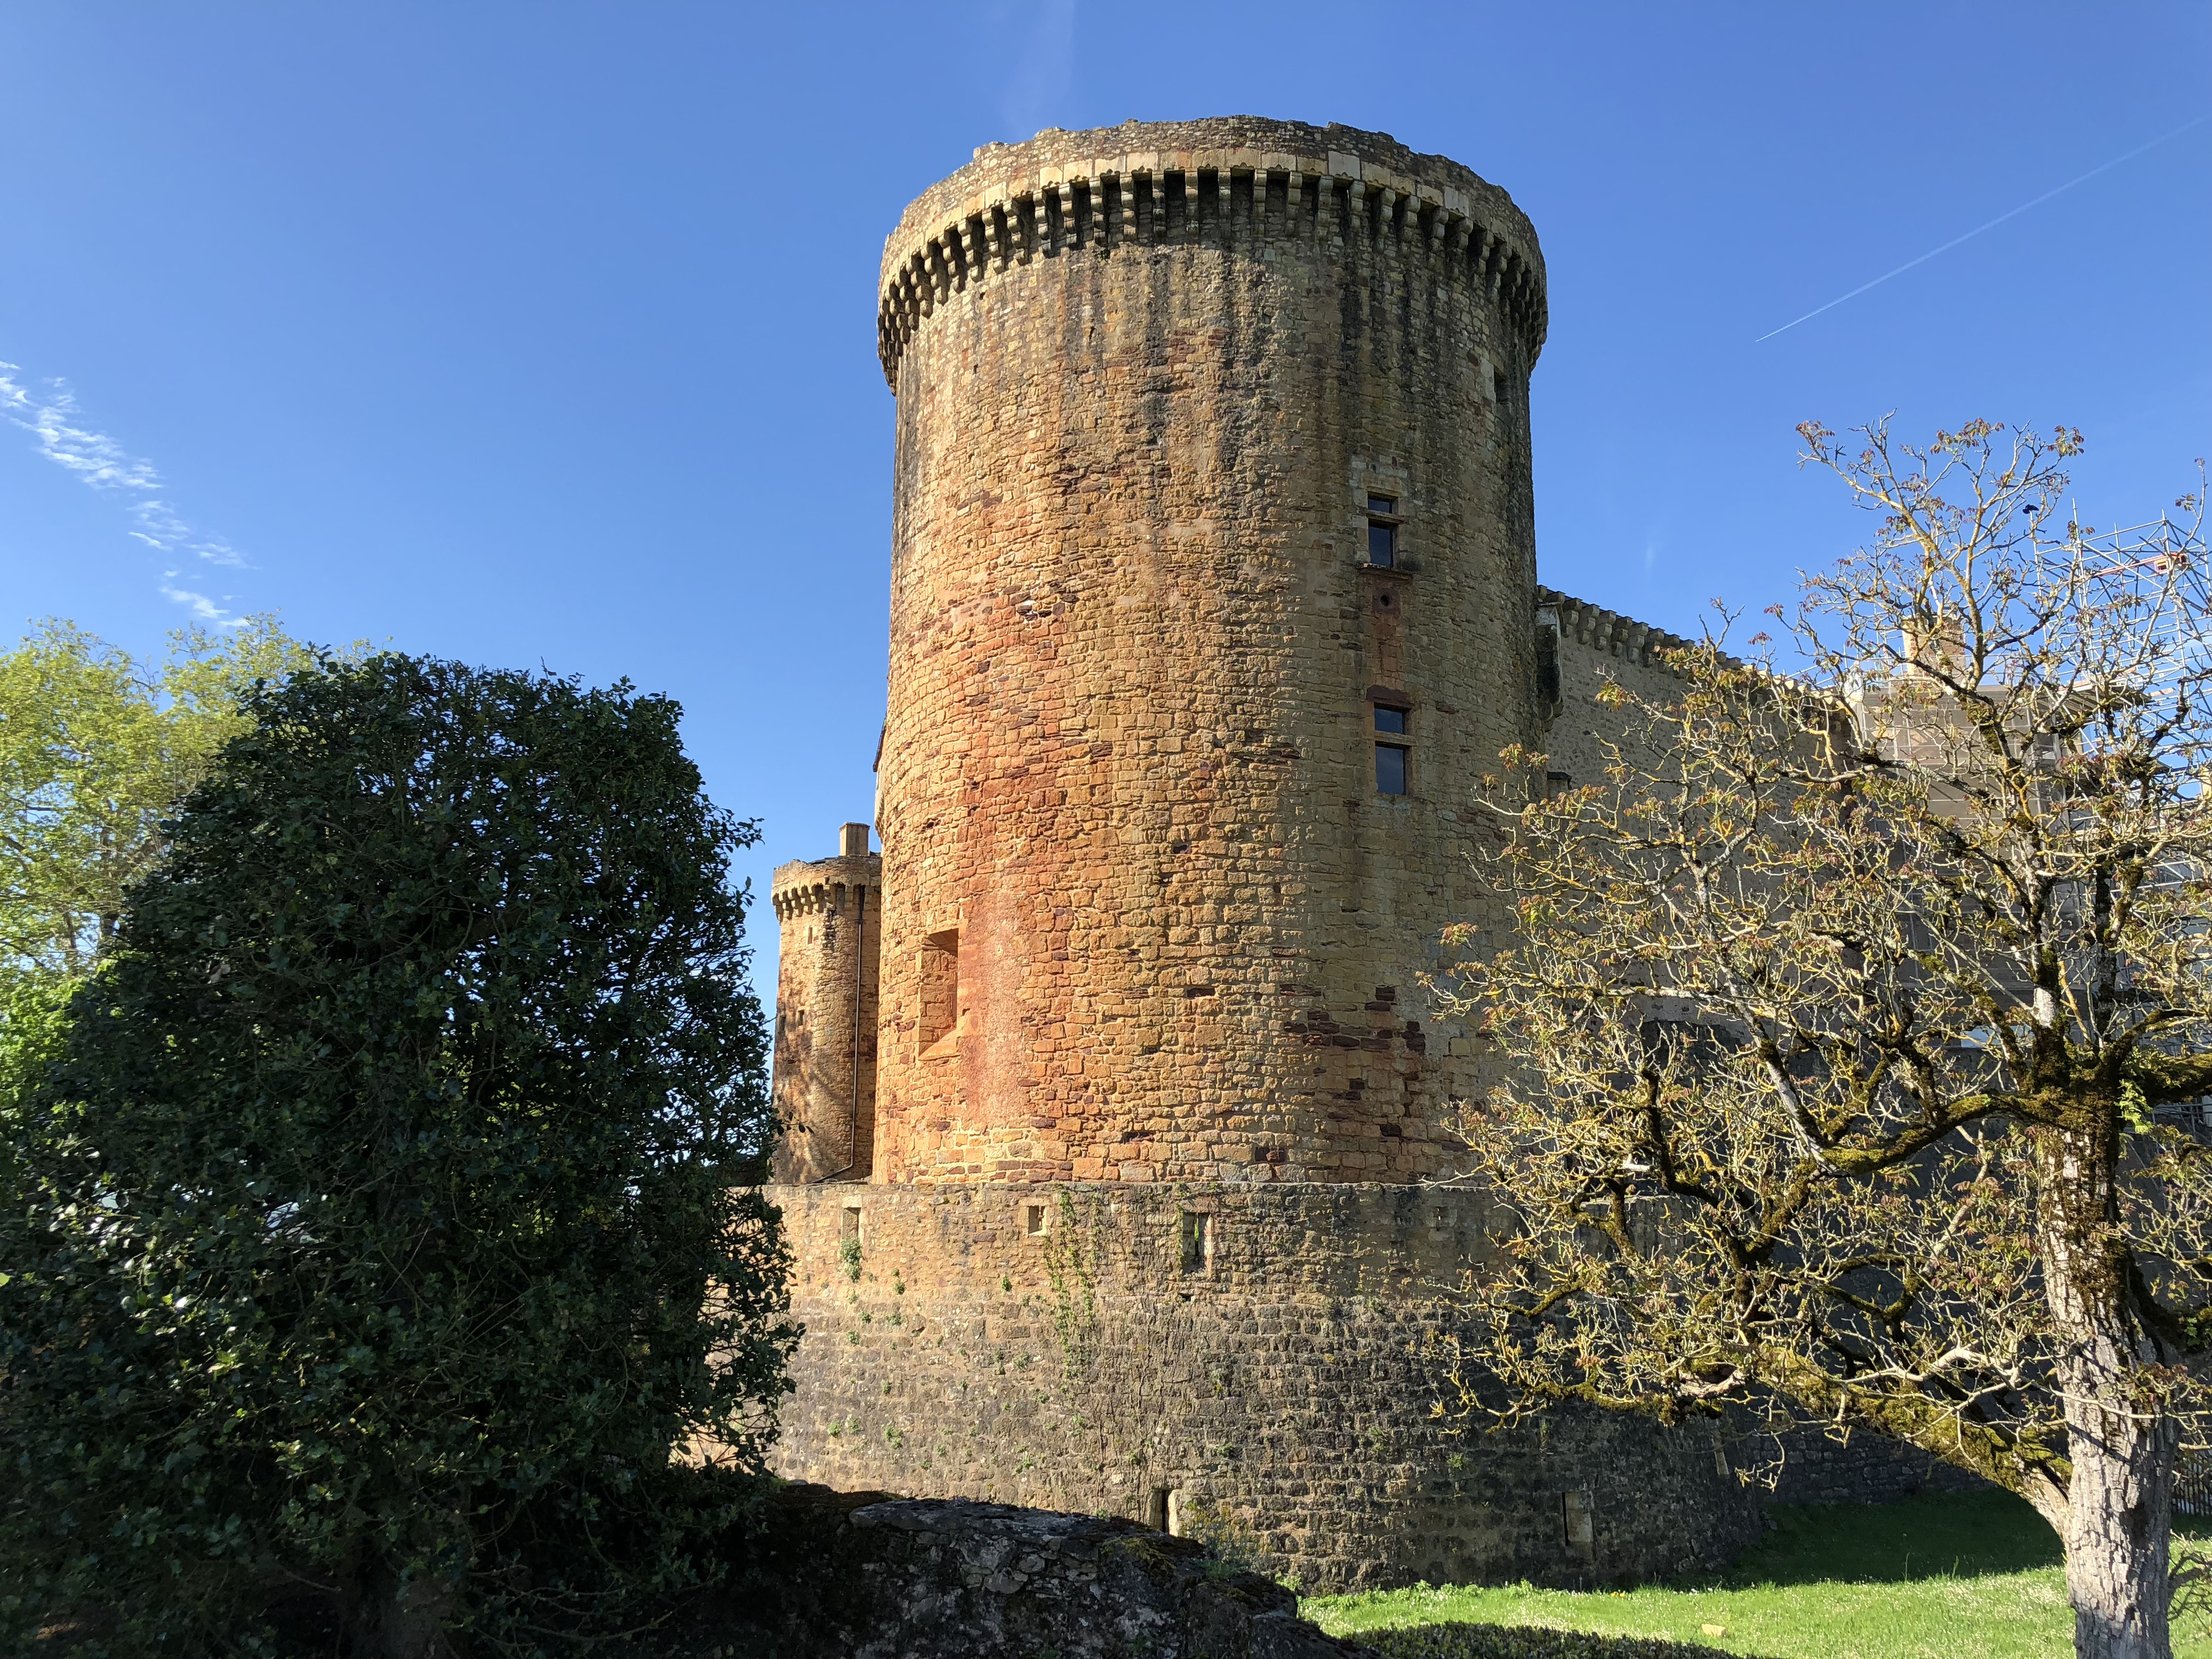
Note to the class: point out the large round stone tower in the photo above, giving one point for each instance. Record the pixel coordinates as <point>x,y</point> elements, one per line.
<point>1213,597</point>
<point>1213,587</point>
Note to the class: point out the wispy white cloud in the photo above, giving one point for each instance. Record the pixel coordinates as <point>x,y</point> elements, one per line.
<point>49,412</point>
<point>203,608</point>
<point>159,528</point>
<point>93,456</point>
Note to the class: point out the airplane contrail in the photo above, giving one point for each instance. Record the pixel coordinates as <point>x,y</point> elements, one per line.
<point>2056,191</point>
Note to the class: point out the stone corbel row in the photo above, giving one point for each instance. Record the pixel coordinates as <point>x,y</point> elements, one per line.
<point>1128,202</point>
<point>1608,631</point>
<point>818,896</point>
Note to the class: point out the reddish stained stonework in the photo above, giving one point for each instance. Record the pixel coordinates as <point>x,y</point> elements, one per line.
<point>1148,917</point>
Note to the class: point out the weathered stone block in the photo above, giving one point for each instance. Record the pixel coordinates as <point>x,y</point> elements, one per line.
<point>864,1575</point>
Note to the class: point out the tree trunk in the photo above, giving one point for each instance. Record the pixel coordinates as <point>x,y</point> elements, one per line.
<point>410,1618</point>
<point>2120,1440</point>
<point>2119,1514</point>
<point>389,1612</point>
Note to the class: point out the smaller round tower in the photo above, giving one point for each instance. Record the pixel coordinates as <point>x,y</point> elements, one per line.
<point>829,912</point>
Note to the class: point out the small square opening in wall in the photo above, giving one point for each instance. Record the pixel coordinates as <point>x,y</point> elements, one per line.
<point>1034,1219</point>
<point>1197,1241</point>
<point>1389,719</point>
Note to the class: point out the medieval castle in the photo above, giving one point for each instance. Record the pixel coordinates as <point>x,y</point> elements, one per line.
<point>1116,1156</point>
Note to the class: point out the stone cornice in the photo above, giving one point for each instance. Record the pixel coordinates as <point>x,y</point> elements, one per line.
<point>1092,193</point>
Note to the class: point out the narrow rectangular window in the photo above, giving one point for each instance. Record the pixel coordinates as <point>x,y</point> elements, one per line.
<point>1382,530</point>
<point>848,1224</point>
<point>1389,769</point>
<point>1034,1222</point>
<point>939,1013</point>
<point>1580,1523</point>
<point>1389,719</point>
<point>1547,664</point>
<point>1197,1241</point>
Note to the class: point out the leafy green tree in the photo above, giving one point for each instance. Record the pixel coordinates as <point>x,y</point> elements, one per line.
<point>387,1241</point>
<point>96,748</point>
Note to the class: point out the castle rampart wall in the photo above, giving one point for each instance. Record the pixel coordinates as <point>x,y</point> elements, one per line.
<point>1594,647</point>
<point>1071,1346</point>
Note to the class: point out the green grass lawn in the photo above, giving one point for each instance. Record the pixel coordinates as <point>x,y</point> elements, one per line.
<point>1932,1578</point>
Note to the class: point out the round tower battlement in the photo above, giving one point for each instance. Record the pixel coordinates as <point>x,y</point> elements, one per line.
<point>1213,600</point>
<point>1146,184</point>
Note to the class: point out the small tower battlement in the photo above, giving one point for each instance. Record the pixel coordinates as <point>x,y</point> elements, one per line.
<point>806,886</point>
<point>829,912</point>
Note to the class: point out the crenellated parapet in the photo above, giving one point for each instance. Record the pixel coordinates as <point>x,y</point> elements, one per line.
<point>1607,632</point>
<point>1225,182</point>
<point>824,886</point>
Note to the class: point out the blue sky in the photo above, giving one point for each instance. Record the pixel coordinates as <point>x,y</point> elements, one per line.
<point>543,334</point>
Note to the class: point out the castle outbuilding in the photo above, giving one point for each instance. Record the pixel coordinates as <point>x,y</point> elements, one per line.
<point>1115,1113</point>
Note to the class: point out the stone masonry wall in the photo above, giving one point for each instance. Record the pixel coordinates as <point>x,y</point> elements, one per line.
<point>1149,916</point>
<point>1595,647</point>
<point>1261,1376</point>
<point>1813,1467</point>
<point>829,914</point>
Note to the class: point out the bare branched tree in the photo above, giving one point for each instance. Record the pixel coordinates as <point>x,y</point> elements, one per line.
<point>1857,1022</point>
